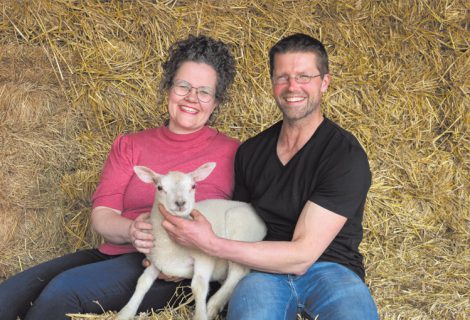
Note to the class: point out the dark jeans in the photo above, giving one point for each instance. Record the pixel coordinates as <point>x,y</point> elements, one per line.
<point>83,282</point>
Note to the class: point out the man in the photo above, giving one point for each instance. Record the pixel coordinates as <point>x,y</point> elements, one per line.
<point>308,179</point>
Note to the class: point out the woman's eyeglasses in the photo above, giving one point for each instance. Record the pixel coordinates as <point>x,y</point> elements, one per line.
<point>183,88</point>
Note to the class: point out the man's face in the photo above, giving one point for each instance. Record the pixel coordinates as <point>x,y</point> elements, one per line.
<point>296,100</point>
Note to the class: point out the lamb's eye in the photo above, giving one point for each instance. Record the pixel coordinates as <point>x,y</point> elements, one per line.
<point>159,188</point>
<point>193,186</point>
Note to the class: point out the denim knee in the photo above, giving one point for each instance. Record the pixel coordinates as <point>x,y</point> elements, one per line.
<point>261,296</point>
<point>336,292</point>
<point>59,297</point>
<point>60,291</point>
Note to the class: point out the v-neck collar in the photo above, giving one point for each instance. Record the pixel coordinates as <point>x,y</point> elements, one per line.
<point>301,150</point>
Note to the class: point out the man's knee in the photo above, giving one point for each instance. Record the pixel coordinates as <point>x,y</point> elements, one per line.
<point>238,296</point>
<point>340,294</point>
<point>255,285</point>
<point>348,308</point>
<point>261,296</point>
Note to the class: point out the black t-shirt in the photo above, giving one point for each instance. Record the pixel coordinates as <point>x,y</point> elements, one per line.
<point>331,170</point>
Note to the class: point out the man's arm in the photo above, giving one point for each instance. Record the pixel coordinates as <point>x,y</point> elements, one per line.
<point>315,230</point>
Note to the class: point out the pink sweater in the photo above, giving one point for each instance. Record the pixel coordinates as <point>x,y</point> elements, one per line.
<point>162,151</point>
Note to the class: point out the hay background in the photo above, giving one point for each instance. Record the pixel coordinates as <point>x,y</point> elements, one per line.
<point>75,74</point>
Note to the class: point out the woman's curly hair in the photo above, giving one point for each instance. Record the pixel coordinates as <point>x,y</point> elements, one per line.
<point>206,50</point>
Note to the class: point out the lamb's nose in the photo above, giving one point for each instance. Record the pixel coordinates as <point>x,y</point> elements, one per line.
<point>180,203</point>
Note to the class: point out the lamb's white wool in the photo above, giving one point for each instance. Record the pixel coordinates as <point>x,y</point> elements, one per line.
<point>229,219</point>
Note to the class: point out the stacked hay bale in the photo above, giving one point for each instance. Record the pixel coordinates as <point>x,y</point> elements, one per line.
<point>83,72</point>
<point>35,151</point>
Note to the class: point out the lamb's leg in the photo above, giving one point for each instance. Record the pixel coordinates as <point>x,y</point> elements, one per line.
<point>235,273</point>
<point>143,285</point>
<point>203,268</point>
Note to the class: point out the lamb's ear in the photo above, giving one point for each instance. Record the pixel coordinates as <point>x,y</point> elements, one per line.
<point>146,175</point>
<point>203,171</point>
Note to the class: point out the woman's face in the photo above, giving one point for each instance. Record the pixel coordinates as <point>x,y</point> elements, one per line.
<point>192,83</point>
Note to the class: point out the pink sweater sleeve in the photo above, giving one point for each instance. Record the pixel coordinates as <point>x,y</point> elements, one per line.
<point>117,171</point>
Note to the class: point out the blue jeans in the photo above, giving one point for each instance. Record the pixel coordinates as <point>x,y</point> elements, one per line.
<point>327,291</point>
<point>85,281</point>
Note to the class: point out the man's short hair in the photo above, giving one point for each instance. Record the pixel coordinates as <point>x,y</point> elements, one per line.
<point>300,42</point>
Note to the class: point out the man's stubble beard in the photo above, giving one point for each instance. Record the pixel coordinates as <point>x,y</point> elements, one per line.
<point>311,107</point>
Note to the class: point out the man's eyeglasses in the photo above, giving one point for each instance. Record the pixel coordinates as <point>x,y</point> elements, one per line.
<point>299,78</point>
<point>183,88</point>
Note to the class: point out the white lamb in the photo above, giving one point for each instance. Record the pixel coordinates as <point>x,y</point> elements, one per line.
<point>229,219</point>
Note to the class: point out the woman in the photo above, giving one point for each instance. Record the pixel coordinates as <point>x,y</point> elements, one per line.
<point>196,77</point>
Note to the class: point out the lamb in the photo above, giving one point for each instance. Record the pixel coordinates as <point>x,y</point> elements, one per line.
<point>229,219</point>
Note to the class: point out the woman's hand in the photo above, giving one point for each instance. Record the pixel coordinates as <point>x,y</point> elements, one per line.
<point>140,233</point>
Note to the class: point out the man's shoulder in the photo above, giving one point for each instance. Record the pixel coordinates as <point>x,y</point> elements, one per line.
<point>264,136</point>
<point>343,149</point>
<point>342,136</point>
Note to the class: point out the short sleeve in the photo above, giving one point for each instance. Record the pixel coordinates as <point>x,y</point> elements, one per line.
<point>117,171</point>
<point>344,183</point>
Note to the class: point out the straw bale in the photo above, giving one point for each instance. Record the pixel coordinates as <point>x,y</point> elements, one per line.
<point>76,74</point>
<point>10,221</point>
<point>34,123</point>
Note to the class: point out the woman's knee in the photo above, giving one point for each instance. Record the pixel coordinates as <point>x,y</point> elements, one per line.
<point>58,298</point>
<point>63,286</point>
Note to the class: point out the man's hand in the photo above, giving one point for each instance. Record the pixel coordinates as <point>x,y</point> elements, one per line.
<point>140,233</point>
<point>196,233</point>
